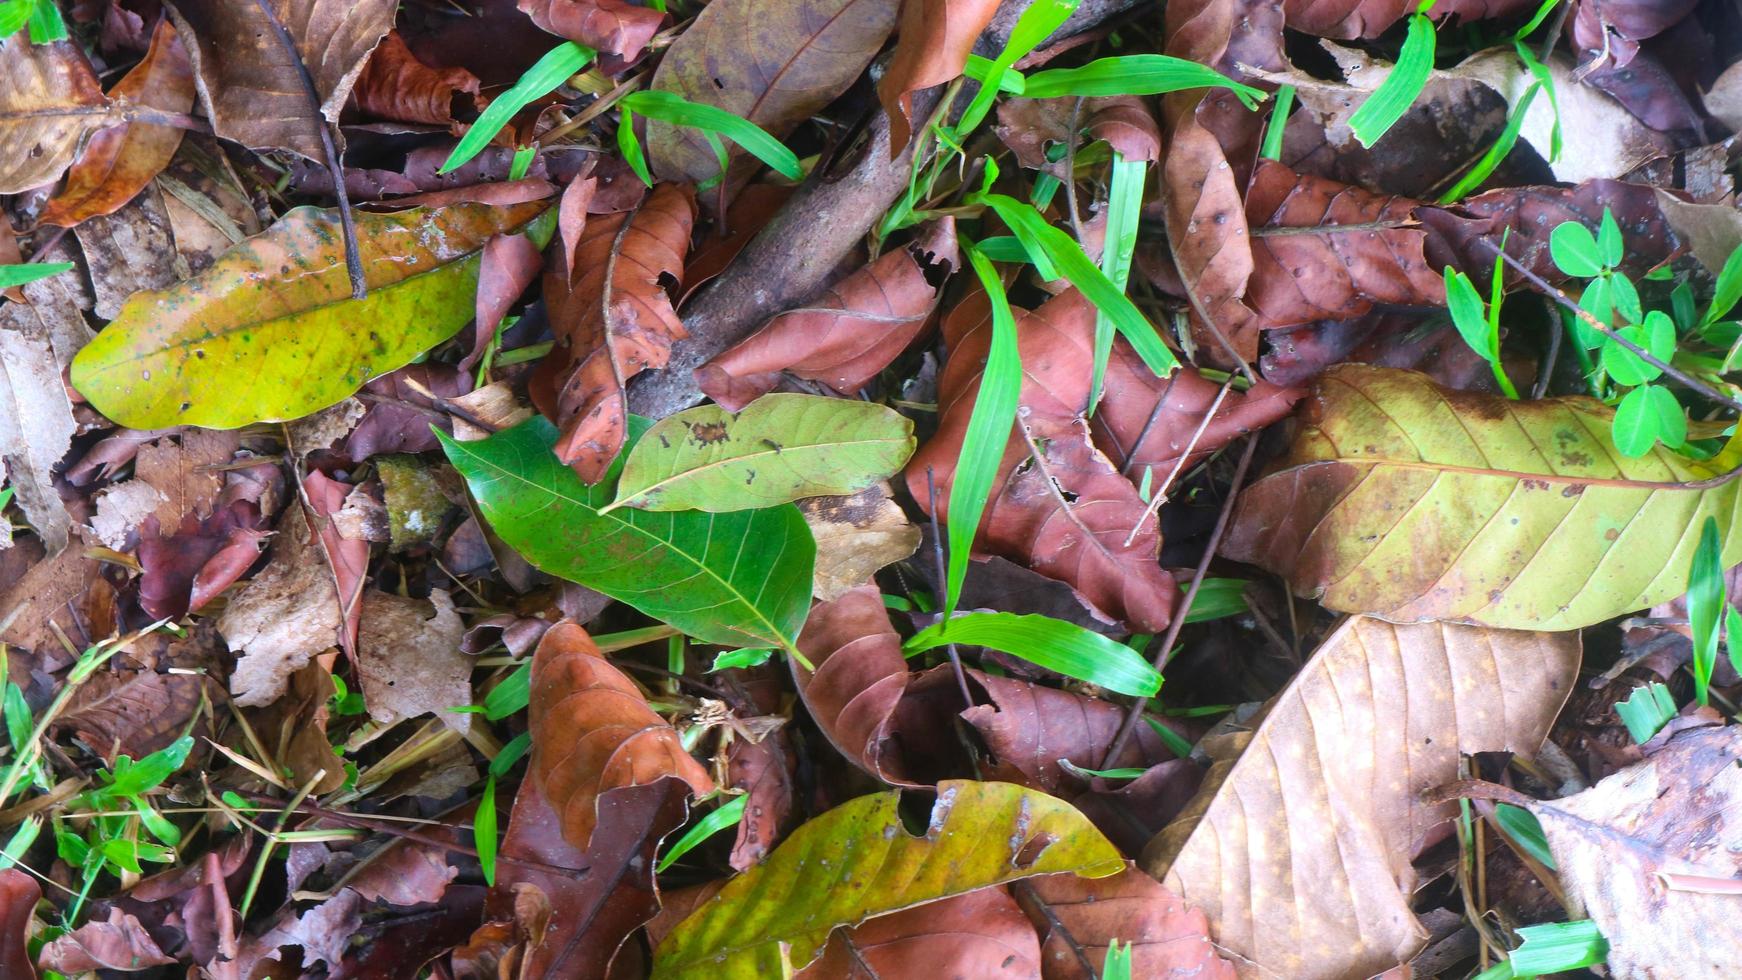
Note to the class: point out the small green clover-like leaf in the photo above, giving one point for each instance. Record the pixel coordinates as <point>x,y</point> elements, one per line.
<point>1656,336</point>
<point>1625,296</point>
<point>1609,244</point>
<point>1595,301</point>
<point>1574,250</point>
<point>1647,415</point>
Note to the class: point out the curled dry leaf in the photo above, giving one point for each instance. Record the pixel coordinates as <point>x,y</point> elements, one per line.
<point>19,894</point>
<point>859,861</point>
<point>121,943</point>
<point>251,88</point>
<point>593,732</point>
<point>613,27</point>
<point>932,46</point>
<point>613,319</point>
<point>49,102</point>
<point>804,54</point>
<point>1034,127</point>
<point>1029,729</point>
<point>860,677</point>
<point>1147,422</point>
<point>119,162</point>
<point>396,85</point>
<point>509,265</point>
<point>847,335</point>
<point>1331,780</point>
<point>980,934</point>
<point>1404,499</point>
<point>1078,918</point>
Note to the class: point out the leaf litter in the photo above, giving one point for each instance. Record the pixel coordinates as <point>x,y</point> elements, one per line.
<point>626,547</point>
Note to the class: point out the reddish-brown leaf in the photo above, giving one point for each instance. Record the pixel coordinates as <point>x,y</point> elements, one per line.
<point>980,934</point>
<point>1615,27</point>
<point>510,263</point>
<point>121,943</point>
<point>49,101</point>
<point>1348,19</point>
<point>848,334</point>
<point>749,212</point>
<point>613,27</point>
<point>1033,127</point>
<point>146,705</point>
<point>612,320</point>
<point>118,162</point>
<point>347,557</point>
<point>396,85</point>
<point>1078,918</point>
<point>860,677</point>
<point>19,893</point>
<point>1029,728</point>
<point>592,732</point>
<point>932,45</point>
<point>1146,422</point>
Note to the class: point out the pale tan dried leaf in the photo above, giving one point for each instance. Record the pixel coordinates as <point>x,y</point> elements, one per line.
<point>409,659</point>
<point>1299,847</point>
<point>285,616</point>
<point>49,102</point>
<point>856,536</point>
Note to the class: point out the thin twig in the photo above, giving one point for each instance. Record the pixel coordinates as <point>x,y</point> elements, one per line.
<point>353,259</point>
<point>937,550</point>
<point>1566,301</point>
<point>1278,231</point>
<point>1071,169</point>
<point>1159,495</point>
<point>1545,374</point>
<point>1179,615</point>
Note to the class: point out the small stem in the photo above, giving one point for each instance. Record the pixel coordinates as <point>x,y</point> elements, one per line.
<point>1159,496</point>
<point>1278,231</point>
<point>942,567</point>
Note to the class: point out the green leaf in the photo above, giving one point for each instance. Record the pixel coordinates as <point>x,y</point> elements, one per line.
<point>1609,244</point>
<point>989,428</point>
<point>550,71</point>
<point>1124,209</point>
<point>979,69</point>
<point>1728,290</point>
<point>1706,605</point>
<point>1468,313</point>
<point>1061,647</point>
<point>1526,831</point>
<point>150,772</point>
<point>630,147</point>
<point>484,836</point>
<point>1636,422</point>
<point>1134,74</point>
<point>739,579</point>
<point>858,860</point>
<point>270,332</point>
<point>1406,501</point>
<point>1401,88</point>
<point>1595,301</point>
<point>18,275</point>
<point>670,107</point>
<point>1217,598</point>
<point>1558,947</point>
<point>13,15</point>
<point>1625,296</point>
<point>1646,711</point>
<point>510,695</point>
<point>1656,336</point>
<point>21,840</point>
<point>1037,22</point>
<point>1502,146</point>
<point>160,826</point>
<point>1574,250</point>
<point>46,25</point>
<point>728,659</point>
<point>1041,238</point>
<point>781,447</point>
<point>1733,637</point>
<point>1278,123</point>
<point>1175,742</point>
<point>1117,965</point>
<point>727,815</point>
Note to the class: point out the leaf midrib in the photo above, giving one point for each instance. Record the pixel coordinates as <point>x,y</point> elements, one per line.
<point>707,468</point>
<point>1621,483</point>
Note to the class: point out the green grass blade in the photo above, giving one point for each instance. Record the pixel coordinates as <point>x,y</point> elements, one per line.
<point>669,107</point>
<point>1135,74</point>
<point>727,815</point>
<point>1124,207</point>
<point>980,69</point>
<point>1646,711</point>
<point>1217,598</point>
<point>1273,130</point>
<point>1526,831</point>
<point>1724,296</point>
<point>988,429</point>
<point>18,275</point>
<point>484,830</point>
<point>1558,947</point>
<point>1706,605</point>
<point>555,68</point>
<point>1401,88</point>
<point>1061,647</point>
<point>1484,167</point>
<point>1037,22</point>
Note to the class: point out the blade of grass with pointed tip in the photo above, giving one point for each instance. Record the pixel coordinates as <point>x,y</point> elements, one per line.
<point>1526,831</point>
<point>1705,605</point>
<point>1502,146</point>
<point>1134,74</point>
<point>727,815</point>
<point>669,107</point>
<point>18,275</point>
<point>556,67</point>
<point>1124,208</point>
<point>1403,86</point>
<point>1061,647</point>
<point>1034,26</point>
<point>1274,129</point>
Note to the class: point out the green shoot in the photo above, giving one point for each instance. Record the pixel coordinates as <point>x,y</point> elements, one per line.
<point>46,25</point>
<point>1218,598</point>
<point>1034,26</point>
<point>1118,963</point>
<point>1403,86</point>
<point>1648,415</point>
<point>1129,772</point>
<point>1706,605</point>
<point>1526,831</point>
<point>556,67</point>
<point>1135,74</point>
<point>484,822</point>
<point>1061,647</point>
<point>1273,130</point>
<point>727,815</point>
<point>18,275</point>
<point>727,659</point>
<point>1733,637</point>
<point>1552,948</point>
<point>1479,330</point>
<point>669,107</point>
<point>1490,160</point>
<point>1646,711</point>
<point>1124,207</point>
<point>979,69</point>
<point>523,157</point>
<point>1174,741</point>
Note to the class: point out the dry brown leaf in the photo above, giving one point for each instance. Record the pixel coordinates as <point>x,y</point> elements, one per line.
<point>844,337</point>
<point>1030,730</point>
<point>19,894</point>
<point>1079,917</point>
<point>285,616</point>
<point>395,85</point>
<point>856,537</point>
<point>981,934</point>
<point>932,46</point>
<point>611,27</point>
<point>859,679</point>
<point>409,660</point>
<point>49,102</point>
<point>121,943</point>
<point>1369,18</point>
<point>1146,422</point>
<point>1673,814</point>
<point>592,732</point>
<point>1299,846</point>
<point>145,706</point>
<point>786,62</point>
<point>250,87</point>
<point>612,321</point>
<point>294,727</point>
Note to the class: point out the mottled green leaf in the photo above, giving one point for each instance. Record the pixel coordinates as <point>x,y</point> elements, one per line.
<point>270,331</point>
<point>780,448</point>
<point>739,579</point>
<point>858,860</point>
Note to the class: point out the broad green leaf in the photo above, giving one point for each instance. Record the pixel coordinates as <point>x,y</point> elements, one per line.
<point>1134,74</point>
<point>726,815</point>
<point>1217,598</point>
<point>1595,301</point>
<point>160,826</point>
<point>1656,336</point>
<point>1399,90</point>
<point>1401,499</point>
<point>550,71</point>
<point>510,695</point>
<point>740,579</point>
<point>858,860</point>
<point>1061,647</point>
<point>1609,244</point>
<point>1647,415</point>
<point>18,275</point>
<point>1706,605</point>
<point>13,14</point>
<point>46,25</point>
<point>1525,830</point>
<point>781,447</point>
<point>1728,290</point>
<point>1646,711</point>
<point>670,107</point>
<point>1468,313</point>
<point>1574,250</point>
<point>150,772</point>
<point>270,332</point>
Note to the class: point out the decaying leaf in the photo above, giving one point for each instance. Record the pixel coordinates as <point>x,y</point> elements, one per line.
<point>931,48</point>
<point>613,319</point>
<point>120,943</point>
<point>856,536</point>
<point>1078,918</point>
<point>1298,847</point>
<point>805,53</point>
<point>252,90</point>
<point>409,659</point>
<point>848,334</point>
<point>395,85</point>
<point>233,345</point>
<point>1652,854</point>
<point>19,894</point>
<point>593,732</point>
<point>36,422</point>
<point>859,679</point>
<point>980,934</point>
<point>49,102</point>
<point>613,27</point>
<point>857,861</point>
<point>285,616</point>
<point>1404,499</point>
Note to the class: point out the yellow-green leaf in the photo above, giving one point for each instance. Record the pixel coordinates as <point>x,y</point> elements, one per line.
<point>780,448</point>
<point>857,861</point>
<point>270,331</point>
<point>1412,502</point>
